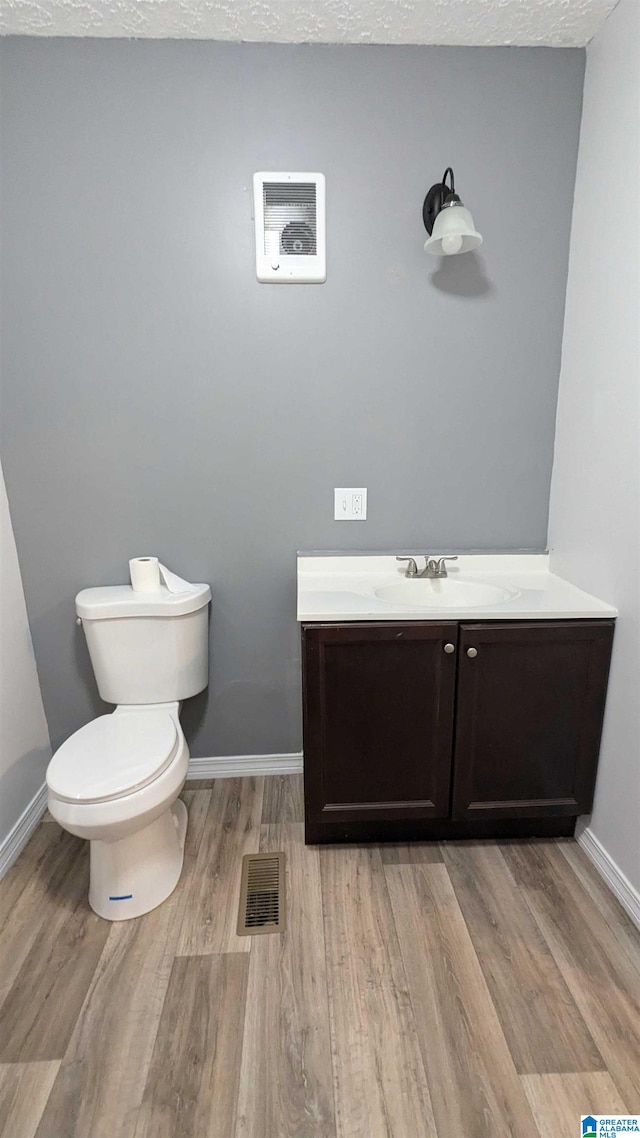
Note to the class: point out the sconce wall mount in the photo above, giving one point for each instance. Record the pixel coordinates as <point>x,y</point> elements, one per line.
<point>447,221</point>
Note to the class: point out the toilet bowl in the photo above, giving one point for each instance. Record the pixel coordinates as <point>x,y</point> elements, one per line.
<point>116,781</point>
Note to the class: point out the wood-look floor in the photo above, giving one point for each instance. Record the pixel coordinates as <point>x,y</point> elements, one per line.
<point>419,991</point>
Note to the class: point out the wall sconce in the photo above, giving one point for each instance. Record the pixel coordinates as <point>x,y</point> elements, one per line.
<point>448,223</point>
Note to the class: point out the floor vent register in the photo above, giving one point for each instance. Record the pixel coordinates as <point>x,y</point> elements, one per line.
<point>262,908</point>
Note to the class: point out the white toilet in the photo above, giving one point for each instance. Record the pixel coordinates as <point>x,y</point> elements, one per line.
<point>116,781</point>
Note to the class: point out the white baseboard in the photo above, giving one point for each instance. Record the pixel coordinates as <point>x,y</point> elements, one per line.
<point>241,766</point>
<point>620,886</point>
<point>225,766</point>
<point>19,835</point>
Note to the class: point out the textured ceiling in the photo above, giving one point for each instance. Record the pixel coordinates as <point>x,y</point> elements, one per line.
<point>561,23</point>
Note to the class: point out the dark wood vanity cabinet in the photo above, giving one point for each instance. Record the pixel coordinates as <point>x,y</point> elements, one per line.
<point>424,729</point>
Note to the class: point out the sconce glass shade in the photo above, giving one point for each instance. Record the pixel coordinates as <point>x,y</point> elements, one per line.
<point>453,232</point>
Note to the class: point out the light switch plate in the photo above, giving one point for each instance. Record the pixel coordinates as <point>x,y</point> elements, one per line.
<point>350,504</point>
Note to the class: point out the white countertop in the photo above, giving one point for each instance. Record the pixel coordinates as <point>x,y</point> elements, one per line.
<point>342,588</point>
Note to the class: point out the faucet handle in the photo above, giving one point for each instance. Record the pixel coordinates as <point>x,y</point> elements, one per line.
<point>441,563</point>
<point>412,568</point>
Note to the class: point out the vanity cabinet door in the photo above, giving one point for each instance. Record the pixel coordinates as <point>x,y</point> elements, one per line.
<point>529,717</point>
<point>378,721</point>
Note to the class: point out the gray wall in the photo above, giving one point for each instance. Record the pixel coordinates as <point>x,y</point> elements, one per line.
<point>157,399</point>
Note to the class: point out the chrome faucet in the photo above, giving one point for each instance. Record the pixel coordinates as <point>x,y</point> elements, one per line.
<point>437,567</point>
<point>433,567</point>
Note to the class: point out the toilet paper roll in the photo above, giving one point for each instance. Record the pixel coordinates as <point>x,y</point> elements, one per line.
<point>145,574</point>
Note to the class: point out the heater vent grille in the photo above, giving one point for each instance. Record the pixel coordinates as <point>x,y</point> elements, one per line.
<point>290,218</point>
<point>289,211</point>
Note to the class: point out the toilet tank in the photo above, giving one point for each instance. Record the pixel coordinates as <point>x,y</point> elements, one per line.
<point>147,647</point>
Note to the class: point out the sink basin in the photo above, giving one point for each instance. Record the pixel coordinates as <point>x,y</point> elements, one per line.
<point>428,593</point>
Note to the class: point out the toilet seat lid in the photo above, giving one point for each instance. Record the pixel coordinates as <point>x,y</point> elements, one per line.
<point>113,756</point>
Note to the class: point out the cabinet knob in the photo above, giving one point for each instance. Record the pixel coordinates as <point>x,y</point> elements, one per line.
<point>449,648</point>
<point>472,653</point>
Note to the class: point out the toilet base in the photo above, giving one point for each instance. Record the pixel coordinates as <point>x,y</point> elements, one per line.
<point>135,874</point>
